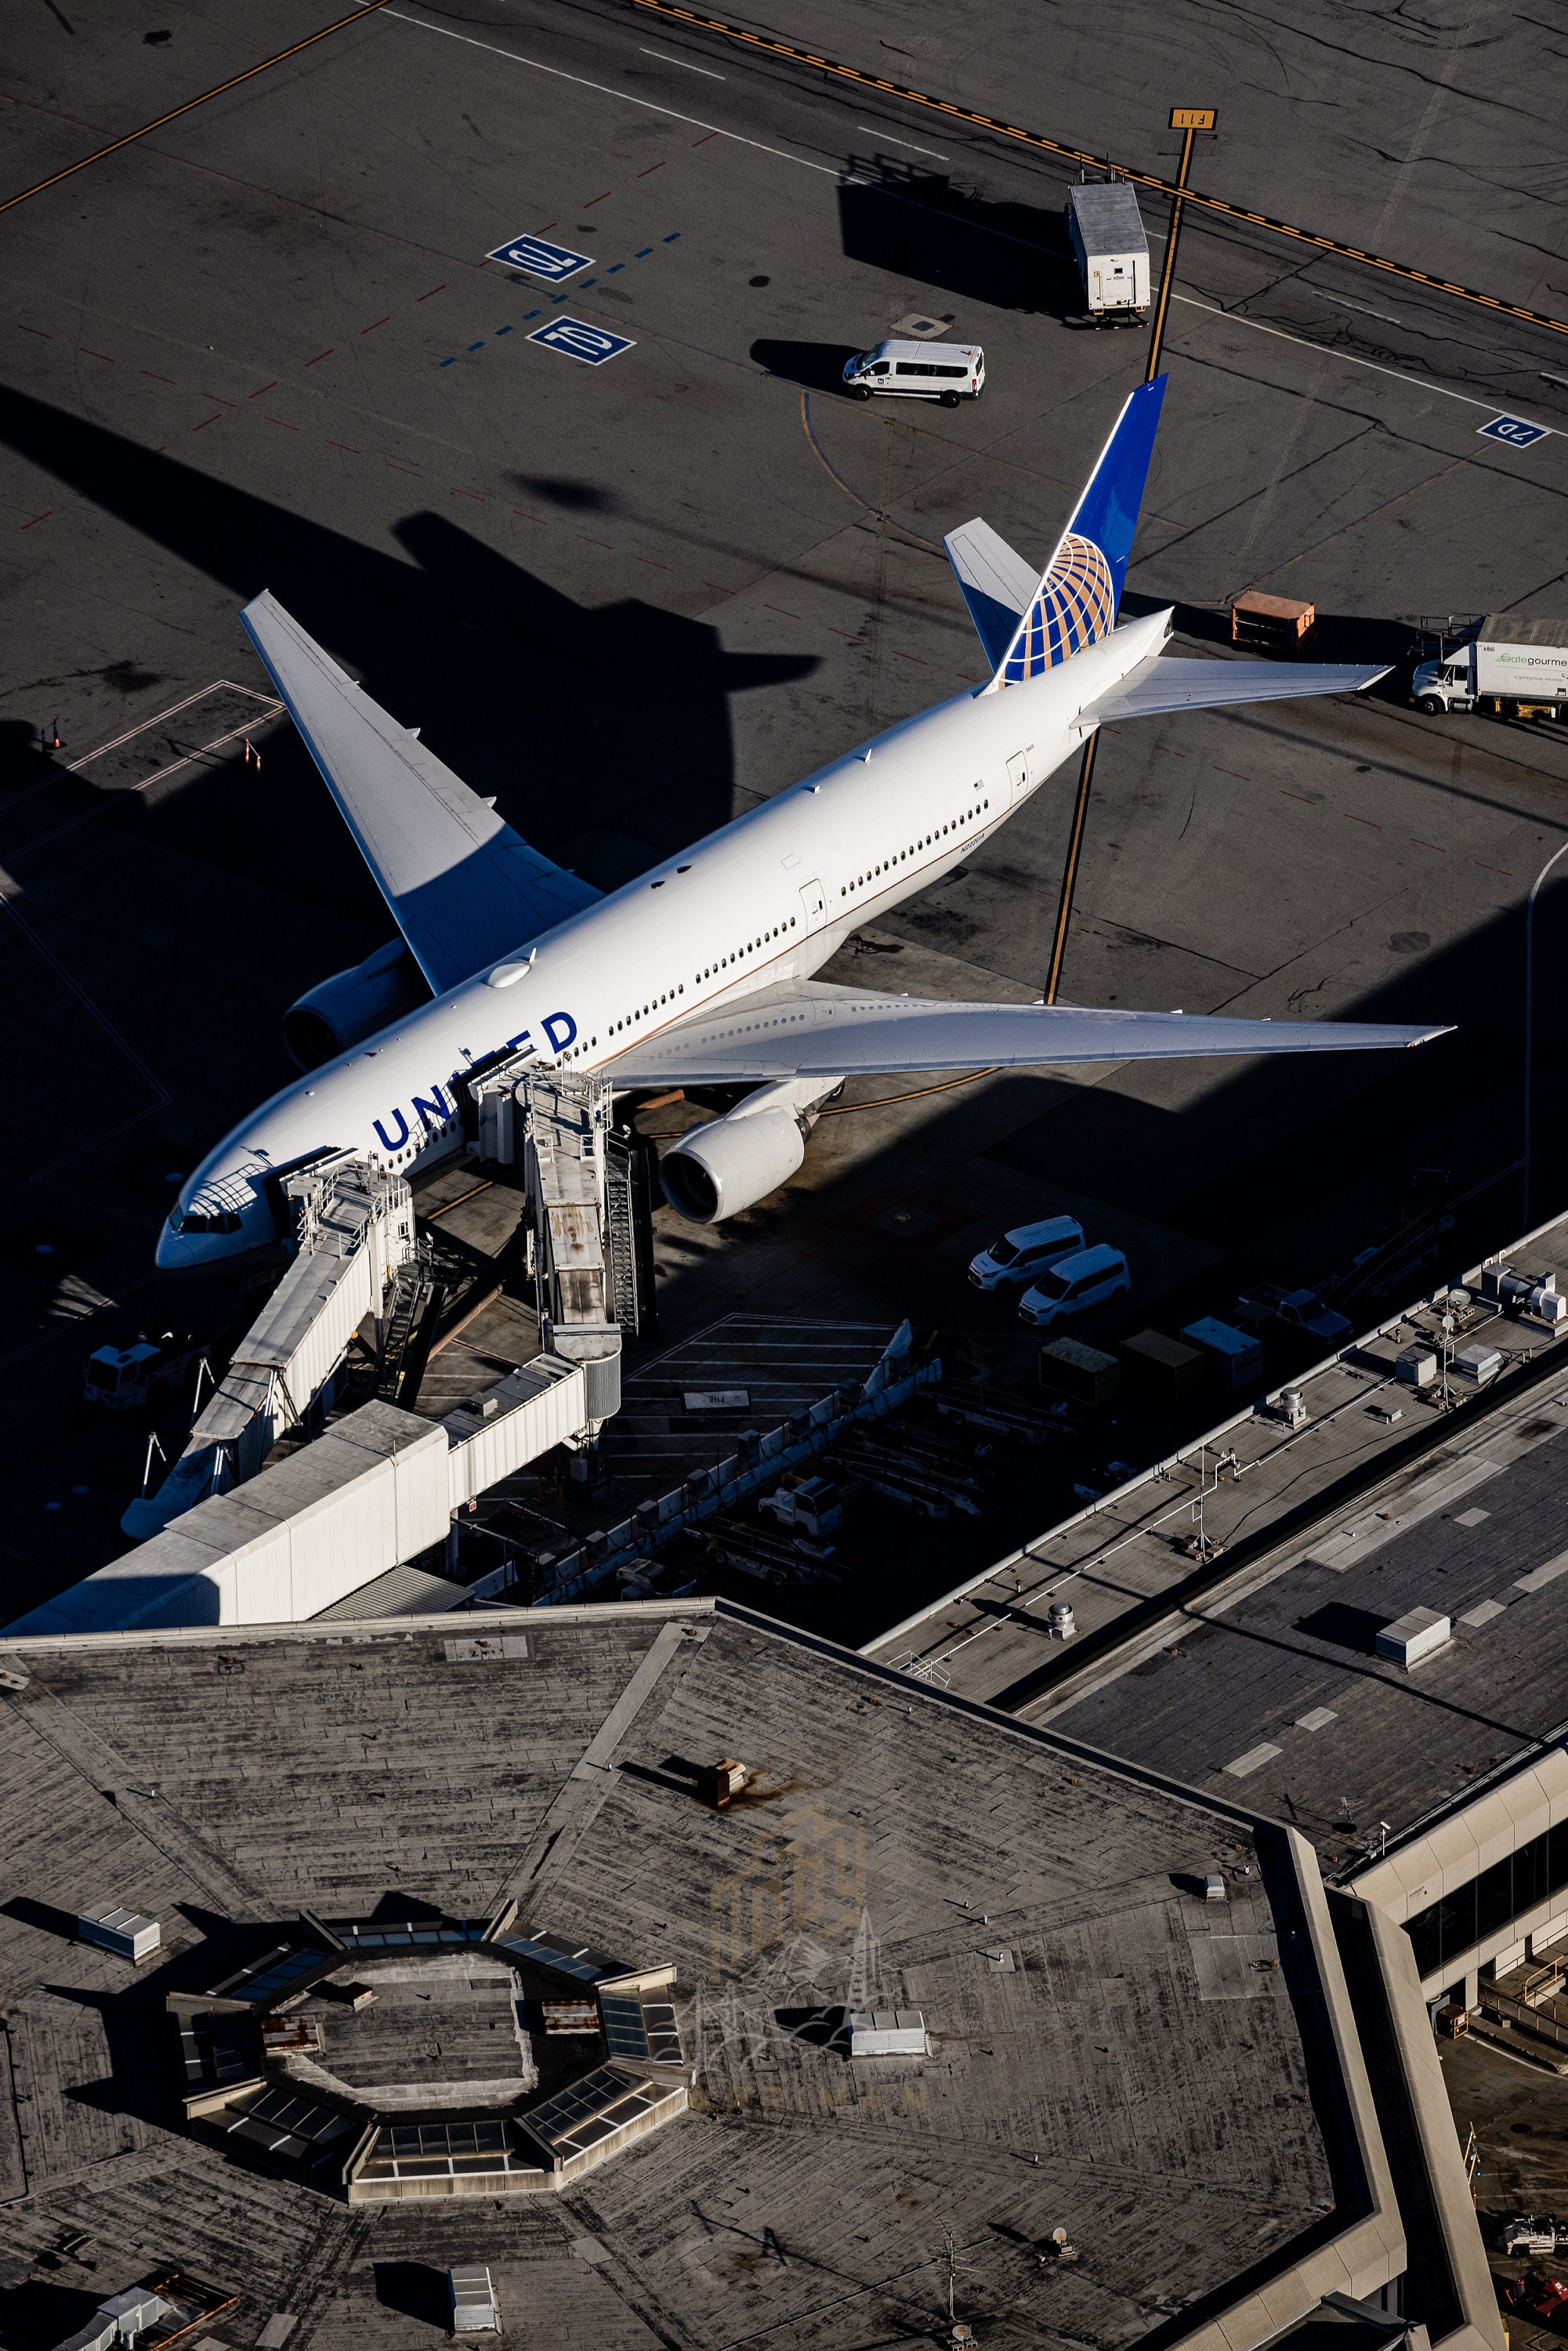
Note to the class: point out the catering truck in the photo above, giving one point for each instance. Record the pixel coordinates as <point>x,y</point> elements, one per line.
<point>1112,253</point>
<point>1517,668</point>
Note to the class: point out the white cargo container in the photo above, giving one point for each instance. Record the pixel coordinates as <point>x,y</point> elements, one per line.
<point>1112,253</point>
<point>1510,666</point>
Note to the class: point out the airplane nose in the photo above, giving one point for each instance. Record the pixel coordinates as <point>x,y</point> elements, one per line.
<point>173,1255</point>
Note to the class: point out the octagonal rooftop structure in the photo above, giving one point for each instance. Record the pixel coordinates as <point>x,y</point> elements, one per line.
<point>1148,2081</point>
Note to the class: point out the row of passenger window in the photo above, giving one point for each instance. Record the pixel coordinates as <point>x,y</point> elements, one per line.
<point>780,931</point>
<point>927,840</point>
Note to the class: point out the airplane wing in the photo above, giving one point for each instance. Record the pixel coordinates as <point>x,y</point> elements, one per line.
<point>463,887</point>
<point>809,1030</point>
<point>1165,683</point>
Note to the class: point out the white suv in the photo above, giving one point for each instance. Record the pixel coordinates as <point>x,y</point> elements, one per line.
<point>1024,1254</point>
<point>1075,1284</point>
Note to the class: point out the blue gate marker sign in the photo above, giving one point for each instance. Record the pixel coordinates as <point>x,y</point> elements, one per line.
<point>581,342</point>
<point>1517,431</point>
<point>553,263</point>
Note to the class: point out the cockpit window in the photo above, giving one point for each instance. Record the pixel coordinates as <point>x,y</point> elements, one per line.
<point>188,1220</point>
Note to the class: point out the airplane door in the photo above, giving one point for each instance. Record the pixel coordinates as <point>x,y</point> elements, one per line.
<point>1017,771</point>
<point>813,904</point>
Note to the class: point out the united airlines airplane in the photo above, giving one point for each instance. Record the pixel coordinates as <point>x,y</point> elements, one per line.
<point>700,972</point>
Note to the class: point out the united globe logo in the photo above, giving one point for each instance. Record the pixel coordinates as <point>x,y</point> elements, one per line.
<point>1076,606</point>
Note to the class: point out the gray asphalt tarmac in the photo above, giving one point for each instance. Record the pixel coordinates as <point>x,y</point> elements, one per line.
<point>265,349</point>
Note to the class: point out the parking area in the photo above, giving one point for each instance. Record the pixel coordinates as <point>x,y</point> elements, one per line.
<point>616,541</point>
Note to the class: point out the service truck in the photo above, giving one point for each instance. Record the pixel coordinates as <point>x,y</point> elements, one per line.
<point>1518,668</point>
<point>1112,253</point>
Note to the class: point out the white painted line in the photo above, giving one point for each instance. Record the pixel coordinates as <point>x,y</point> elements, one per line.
<point>664,60</point>
<point>1253,1761</point>
<point>621,97</point>
<point>903,143</point>
<point>1348,358</point>
<point>1318,1720</point>
<point>1344,302</point>
<point>1483,1612</point>
<point>1540,1576</point>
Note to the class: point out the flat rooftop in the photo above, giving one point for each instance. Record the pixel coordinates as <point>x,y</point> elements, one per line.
<point>1274,1681</point>
<point>892,1850</point>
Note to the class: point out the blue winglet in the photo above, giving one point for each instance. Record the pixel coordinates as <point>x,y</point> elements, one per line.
<point>1107,513</point>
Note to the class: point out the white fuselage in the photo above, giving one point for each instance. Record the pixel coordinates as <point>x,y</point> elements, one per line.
<point>769,898</point>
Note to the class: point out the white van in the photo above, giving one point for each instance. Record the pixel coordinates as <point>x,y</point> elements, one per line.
<point>949,372</point>
<point>1075,1284</point>
<point>1024,1254</point>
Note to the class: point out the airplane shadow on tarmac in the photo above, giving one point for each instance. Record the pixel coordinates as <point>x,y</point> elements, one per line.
<point>604,735</point>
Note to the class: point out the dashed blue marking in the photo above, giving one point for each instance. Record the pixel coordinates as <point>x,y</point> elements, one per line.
<point>556,261</point>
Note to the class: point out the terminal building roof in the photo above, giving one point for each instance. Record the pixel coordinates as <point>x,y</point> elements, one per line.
<point>1110,2053</point>
<point>1276,1687</point>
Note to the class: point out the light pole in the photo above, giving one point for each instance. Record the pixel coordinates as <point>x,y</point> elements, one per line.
<point>1192,121</point>
<point>1530,1013</point>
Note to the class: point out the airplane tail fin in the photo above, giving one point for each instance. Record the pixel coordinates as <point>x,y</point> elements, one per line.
<point>1075,600</point>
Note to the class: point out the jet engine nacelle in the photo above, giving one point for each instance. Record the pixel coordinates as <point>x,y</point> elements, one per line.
<point>336,1013</point>
<point>717,1170</point>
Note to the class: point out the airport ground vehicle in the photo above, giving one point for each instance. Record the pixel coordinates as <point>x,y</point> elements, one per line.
<point>1517,668</point>
<point>121,1379</point>
<point>1074,1285</point>
<point>1024,1253</point>
<point>812,1507</point>
<point>1291,1310</point>
<point>1541,2297</point>
<point>1111,251</point>
<point>947,372</point>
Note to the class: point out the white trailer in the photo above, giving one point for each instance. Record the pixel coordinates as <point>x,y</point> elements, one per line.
<point>1518,668</point>
<point>1107,233</point>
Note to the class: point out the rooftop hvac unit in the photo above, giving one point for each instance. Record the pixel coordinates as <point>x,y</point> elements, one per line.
<point>887,2032</point>
<point>1477,1363</point>
<point>124,1932</point>
<point>473,2300</point>
<point>1417,1367</point>
<point>1214,1886</point>
<point>1413,1636</point>
<point>1060,1621</point>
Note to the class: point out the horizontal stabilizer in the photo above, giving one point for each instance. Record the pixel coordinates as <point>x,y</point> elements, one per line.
<point>809,1030</point>
<point>1166,683</point>
<point>466,889</point>
<point>997,584</point>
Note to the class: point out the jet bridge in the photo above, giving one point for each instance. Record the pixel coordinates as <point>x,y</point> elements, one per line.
<point>355,1233</point>
<point>592,1273</point>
